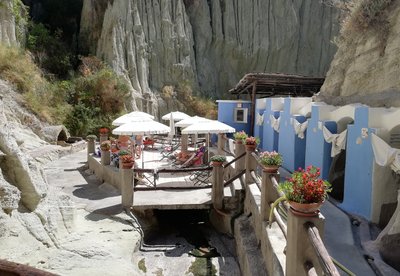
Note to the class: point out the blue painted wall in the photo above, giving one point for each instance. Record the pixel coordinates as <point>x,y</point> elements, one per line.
<point>359,163</point>
<point>226,115</point>
<point>259,130</point>
<point>318,152</point>
<point>270,136</point>
<point>292,148</point>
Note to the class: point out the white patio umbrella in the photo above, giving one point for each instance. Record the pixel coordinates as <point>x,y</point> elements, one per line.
<point>191,120</point>
<point>130,119</point>
<point>176,115</point>
<point>141,128</point>
<point>134,116</point>
<point>212,126</point>
<point>207,127</point>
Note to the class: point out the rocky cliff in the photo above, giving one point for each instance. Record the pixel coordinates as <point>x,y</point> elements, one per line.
<point>366,66</point>
<point>207,44</point>
<point>7,23</point>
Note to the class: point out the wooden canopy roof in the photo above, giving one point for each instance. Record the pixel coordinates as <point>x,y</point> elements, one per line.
<point>269,85</point>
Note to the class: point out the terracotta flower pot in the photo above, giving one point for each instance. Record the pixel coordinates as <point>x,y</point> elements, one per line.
<point>238,142</point>
<point>251,147</point>
<point>216,164</point>
<point>305,209</point>
<point>270,169</point>
<point>127,165</point>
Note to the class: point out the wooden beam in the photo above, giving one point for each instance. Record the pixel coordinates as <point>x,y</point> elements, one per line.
<point>253,107</point>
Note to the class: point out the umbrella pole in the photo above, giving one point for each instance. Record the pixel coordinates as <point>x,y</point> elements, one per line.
<point>208,147</point>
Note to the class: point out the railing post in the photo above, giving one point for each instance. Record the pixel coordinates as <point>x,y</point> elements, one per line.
<point>126,176</point>
<point>217,191</point>
<point>240,164</point>
<point>250,164</point>
<point>267,194</point>
<point>299,249</point>
<point>221,143</point>
<point>91,146</point>
<point>103,137</point>
<point>184,142</point>
<point>105,157</point>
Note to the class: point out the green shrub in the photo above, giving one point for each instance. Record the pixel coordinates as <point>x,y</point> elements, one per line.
<point>48,49</point>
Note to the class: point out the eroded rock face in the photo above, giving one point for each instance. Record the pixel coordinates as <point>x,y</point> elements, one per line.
<point>365,68</point>
<point>9,195</point>
<point>7,23</point>
<point>207,44</point>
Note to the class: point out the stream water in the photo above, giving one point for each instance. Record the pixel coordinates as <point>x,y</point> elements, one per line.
<point>183,242</point>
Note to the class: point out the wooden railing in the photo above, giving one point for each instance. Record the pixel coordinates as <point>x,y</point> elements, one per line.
<point>305,250</point>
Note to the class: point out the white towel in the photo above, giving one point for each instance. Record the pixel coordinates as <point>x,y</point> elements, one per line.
<point>231,146</point>
<point>338,140</point>
<point>299,128</point>
<point>384,154</point>
<point>275,123</point>
<point>259,119</point>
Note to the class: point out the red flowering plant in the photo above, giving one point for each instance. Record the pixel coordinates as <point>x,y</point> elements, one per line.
<point>252,140</point>
<point>104,130</point>
<point>304,186</point>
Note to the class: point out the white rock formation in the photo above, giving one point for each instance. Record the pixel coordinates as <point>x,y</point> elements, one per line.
<point>366,66</point>
<point>207,44</point>
<point>7,23</point>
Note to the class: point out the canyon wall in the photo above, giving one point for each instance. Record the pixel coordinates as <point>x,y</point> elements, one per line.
<point>7,24</point>
<point>208,45</point>
<point>366,67</point>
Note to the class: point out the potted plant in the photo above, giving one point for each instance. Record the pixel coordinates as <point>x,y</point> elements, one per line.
<point>240,136</point>
<point>91,143</point>
<point>123,152</point>
<point>305,191</point>
<point>105,146</point>
<point>91,137</point>
<point>127,161</point>
<point>217,160</point>
<point>271,161</point>
<point>251,143</point>
<point>104,130</point>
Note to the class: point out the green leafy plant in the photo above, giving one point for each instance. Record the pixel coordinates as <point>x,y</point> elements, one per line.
<point>271,158</point>
<point>123,152</point>
<point>241,135</point>
<point>218,158</point>
<point>91,137</point>
<point>105,146</point>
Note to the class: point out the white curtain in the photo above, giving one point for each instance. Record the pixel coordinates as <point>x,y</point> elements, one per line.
<point>231,146</point>
<point>259,119</point>
<point>299,128</point>
<point>338,140</point>
<point>275,123</point>
<point>384,154</point>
